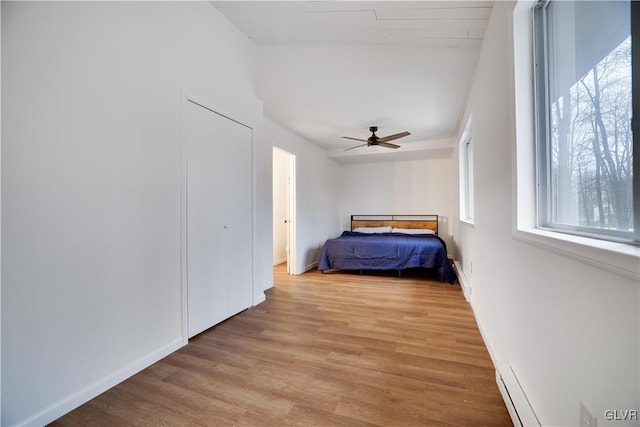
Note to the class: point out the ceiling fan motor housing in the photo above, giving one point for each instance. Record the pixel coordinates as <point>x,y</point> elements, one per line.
<point>373,139</point>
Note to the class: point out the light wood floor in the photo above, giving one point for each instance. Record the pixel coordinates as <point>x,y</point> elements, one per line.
<point>323,349</point>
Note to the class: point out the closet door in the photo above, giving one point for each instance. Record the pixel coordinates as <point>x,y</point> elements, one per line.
<point>219,218</point>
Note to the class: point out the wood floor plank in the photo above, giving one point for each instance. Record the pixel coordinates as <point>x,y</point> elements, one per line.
<point>311,416</point>
<point>386,412</point>
<point>339,349</point>
<point>92,416</point>
<point>188,407</point>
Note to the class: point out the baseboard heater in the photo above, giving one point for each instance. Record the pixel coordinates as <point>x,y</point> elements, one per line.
<point>462,279</point>
<point>518,405</point>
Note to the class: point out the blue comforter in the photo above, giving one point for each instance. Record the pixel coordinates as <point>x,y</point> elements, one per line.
<point>386,251</point>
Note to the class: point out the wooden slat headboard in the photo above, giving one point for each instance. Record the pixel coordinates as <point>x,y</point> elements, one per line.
<point>429,222</point>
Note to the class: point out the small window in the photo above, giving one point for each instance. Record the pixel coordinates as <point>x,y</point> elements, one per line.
<point>466,174</point>
<point>585,142</point>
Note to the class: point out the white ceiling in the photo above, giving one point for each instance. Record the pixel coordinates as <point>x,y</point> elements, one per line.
<point>333,68</point>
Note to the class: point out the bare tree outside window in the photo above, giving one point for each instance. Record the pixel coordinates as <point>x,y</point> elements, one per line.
<point>585,66</point>
<point>592,146</point>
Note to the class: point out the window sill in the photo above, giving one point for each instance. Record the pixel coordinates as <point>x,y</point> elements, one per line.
<point>468,222</point>
<point>619,258</point>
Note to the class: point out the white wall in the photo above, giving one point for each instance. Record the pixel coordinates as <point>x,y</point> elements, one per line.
<point>318,179</point>
<point>91,136</point>
<point>0,229</point>
<point>405,187</point>
<point>280,205</point>
<point>569,330</point>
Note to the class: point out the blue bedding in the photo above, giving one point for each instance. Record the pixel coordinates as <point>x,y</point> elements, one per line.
<point>386,251</point>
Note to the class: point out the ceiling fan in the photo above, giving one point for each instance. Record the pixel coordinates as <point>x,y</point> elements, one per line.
<point>375,140</point>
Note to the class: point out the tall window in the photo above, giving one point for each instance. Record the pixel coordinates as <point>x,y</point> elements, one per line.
<point>466,174</point>
<point>584,86</point>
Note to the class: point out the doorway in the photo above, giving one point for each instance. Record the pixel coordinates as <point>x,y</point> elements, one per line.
<point>284,209</point>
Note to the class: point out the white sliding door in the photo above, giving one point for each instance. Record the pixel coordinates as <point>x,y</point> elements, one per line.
<point>219,217</point>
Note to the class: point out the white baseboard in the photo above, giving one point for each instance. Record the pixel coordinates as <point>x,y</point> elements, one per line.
<point>310,266</point>
<point>513,394</point>
<point>485,339</point>
<point>58,409</point>
<point>259,298</point>
<point>279,261</point>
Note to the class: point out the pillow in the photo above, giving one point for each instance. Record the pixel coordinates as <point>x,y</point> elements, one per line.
<point>413,231</point>
<point>372,230</point>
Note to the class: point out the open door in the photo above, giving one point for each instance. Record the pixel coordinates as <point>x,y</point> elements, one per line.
<point>284,211</point>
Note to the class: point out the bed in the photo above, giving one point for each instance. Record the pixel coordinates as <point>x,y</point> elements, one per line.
<point>388,242</point>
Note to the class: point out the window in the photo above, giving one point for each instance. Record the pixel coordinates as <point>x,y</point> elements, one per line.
<point>585,143</point>
<point>466,174</point>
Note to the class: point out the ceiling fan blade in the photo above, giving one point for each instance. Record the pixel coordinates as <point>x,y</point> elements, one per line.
<point>392,137</point>
<point>386,144</point>
<point>355,139</point>
<point>347,149</point>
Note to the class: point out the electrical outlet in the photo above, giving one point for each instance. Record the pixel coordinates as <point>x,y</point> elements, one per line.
<point>586,419</point>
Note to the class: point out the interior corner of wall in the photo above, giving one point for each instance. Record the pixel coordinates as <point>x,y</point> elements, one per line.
<point>309,267</point>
